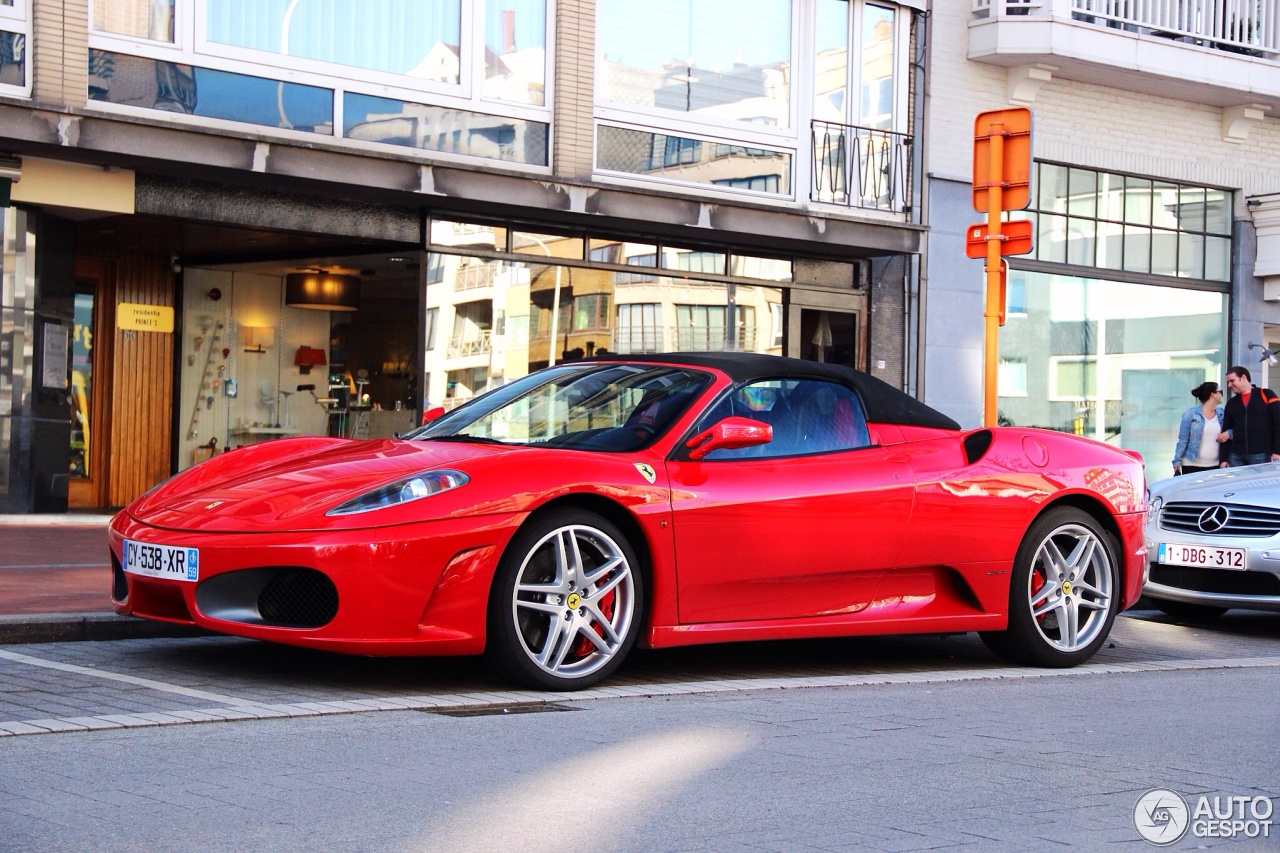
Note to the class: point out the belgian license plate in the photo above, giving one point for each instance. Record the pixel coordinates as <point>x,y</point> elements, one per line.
<point>162,561</point>
<point>1203,556</point>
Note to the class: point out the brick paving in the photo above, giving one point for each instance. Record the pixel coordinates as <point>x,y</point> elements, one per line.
<point>134,683</point>
<point>55,567</point>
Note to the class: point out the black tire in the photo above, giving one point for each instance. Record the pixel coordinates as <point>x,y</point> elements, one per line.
<point>1188,612</point>
<point>1062,589</point>
<point>567,602</point>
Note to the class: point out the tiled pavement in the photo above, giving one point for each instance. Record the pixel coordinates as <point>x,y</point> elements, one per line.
<point>58,687</point>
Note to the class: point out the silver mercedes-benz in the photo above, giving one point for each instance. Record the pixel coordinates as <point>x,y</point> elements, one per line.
<point>1213,542</point>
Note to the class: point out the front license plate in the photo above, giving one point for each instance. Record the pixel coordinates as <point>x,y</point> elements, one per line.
<point>162,561</point>
<point>1203,556</point>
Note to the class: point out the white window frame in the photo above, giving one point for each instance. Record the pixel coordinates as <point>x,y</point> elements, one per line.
<point>191,47</point>
<point>17,19</point>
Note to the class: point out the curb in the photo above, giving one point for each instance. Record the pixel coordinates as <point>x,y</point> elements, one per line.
<point>78,627</point>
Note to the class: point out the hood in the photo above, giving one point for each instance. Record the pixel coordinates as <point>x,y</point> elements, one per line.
<point>293,482</point>
<point>1248,484</point>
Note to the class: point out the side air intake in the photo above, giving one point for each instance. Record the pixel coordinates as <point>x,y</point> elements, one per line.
<point>976,444</point>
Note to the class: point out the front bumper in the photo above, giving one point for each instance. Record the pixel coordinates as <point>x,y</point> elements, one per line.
<point>419,589</point>
<point>1255,588</point>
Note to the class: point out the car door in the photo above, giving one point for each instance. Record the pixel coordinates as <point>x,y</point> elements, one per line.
<point>803,526</point>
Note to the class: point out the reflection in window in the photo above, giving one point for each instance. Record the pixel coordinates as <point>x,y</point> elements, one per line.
<point>450,131</point>
<point>116,78</point>
<point>806,415</point>
<point>143,19</point>
<point>516,50</point>
<point>1108,359</point>
<point>840,24</point>
<point>699,56</point>
<point>704,328</point>
<point>414,39</point>
<point>81,385</point>
<point>878,65</point>
<point>681,158</point>
<point>1129,223</point>
<point>639,328</point>
<point>13,59</point>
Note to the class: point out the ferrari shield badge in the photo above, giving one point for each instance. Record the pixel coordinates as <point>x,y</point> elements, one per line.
<point>646,471</point>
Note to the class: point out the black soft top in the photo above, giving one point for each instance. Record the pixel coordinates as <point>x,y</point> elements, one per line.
<point>884,403</point>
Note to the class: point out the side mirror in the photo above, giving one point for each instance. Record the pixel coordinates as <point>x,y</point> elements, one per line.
<point>431,414</point>
<point>730,434</point>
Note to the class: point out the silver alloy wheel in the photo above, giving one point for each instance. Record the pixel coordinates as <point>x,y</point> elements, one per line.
<point>1070,589</point>
<point>574,601</point>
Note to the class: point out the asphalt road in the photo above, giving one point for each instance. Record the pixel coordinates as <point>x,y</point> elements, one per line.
<point>214,743</point>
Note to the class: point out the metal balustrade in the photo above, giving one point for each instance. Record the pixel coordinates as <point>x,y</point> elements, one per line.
<point>1244,26</point>
<point>861,167</point>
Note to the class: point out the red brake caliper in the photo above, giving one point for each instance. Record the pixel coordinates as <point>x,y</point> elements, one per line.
<point>1037,583</point>
<point>584,646</point>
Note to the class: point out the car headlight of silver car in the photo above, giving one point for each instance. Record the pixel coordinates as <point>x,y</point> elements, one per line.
<point>403,491</point>
<point>1154,504</point>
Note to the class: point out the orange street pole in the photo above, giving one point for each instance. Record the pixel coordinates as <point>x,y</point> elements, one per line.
<point>995,206</point>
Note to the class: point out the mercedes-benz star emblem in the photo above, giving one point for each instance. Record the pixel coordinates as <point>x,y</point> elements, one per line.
<point>1214,518</point>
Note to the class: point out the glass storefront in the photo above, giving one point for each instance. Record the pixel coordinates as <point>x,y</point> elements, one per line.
<point>501,319</point>
<point>1114,356</point>
<point>1111,360</point>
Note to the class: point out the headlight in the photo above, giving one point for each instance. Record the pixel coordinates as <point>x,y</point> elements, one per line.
<point>1154,506</point>
<point>403,491</point>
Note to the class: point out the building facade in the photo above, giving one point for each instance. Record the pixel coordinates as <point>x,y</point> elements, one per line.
<point>228,221</point>
<point>1156,256</point>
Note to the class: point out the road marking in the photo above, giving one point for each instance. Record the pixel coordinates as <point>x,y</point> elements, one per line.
<point>127,679</point>
<point>242,709</point>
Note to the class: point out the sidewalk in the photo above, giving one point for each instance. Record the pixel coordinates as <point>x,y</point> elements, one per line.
<point>55,582</point>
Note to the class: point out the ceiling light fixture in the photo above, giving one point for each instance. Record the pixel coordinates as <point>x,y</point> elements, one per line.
<point>322,291</point>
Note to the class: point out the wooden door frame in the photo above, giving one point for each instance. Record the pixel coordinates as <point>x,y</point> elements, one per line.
<point>91,492</point>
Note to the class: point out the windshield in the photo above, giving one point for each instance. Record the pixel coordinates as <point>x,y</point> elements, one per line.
<point>611,407</point>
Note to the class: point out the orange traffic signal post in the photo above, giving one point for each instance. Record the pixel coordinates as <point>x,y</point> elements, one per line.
<point>1001,181</point>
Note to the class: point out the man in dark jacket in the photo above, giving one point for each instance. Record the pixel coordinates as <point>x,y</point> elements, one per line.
<point>1250,421</point>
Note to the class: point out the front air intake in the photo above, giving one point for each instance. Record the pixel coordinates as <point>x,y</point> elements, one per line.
<point>302,598</point>
<point>976,444</point>
<point>280,596</point>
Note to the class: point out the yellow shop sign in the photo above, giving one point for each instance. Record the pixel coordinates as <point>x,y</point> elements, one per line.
<point>145,318</point>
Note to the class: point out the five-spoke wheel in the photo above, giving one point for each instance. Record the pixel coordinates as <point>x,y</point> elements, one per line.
<point>566,601</point>
<point>1063,592</point>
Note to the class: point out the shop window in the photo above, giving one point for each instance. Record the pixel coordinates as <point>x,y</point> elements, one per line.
<point>1109,359</point>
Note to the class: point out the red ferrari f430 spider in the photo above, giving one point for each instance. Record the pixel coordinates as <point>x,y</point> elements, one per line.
<point>557,521</point>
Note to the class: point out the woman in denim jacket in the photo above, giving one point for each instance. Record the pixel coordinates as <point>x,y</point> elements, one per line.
<point>1198,448</point>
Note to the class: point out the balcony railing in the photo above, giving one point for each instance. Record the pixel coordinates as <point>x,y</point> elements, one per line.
<point>637,339</point>
<point>475,276</point>
<point>461,346</point>
<point>861,167</point>
<point>1243,26</point>
<point>701,339</point>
